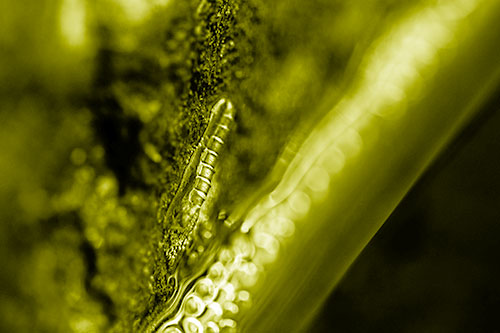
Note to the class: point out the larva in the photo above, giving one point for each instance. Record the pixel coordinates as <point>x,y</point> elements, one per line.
<point>184,211</point>
<point>209,157</point>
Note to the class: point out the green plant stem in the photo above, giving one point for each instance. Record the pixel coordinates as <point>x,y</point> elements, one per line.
<point>387,143</point>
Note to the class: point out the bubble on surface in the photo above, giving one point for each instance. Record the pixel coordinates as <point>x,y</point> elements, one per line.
<point>350,143</point>
<point>395,102</point>
<point>230,309</point>
<point>247,274</point>
<point>205,288</point>
<point>256,213</point>
<point>333,160</point>
<point>212,327</point>
<point>268,248</point>
<point>228,292</point>
<point>266,242</point>
<point>243,246</point>
<point>215,309</point>
<point>317,179</point>
<point>216,271</point>
<point>407,57</point>
<point>194,305</point>
<point>243,296</point>
<point>286,227</point>
<point>206,235</point>
<point>192,325</point>
<point>299,203</point>
<point>226,255</point>
<point>227,323</point>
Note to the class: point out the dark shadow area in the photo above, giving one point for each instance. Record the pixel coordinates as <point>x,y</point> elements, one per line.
<point>433,266</point>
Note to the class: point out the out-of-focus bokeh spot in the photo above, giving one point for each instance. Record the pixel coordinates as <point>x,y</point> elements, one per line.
<point>73,22</point>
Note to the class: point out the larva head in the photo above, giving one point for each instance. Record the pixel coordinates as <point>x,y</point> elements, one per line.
<point>221,118</point>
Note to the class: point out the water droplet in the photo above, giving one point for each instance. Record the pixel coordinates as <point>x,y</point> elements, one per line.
<point>332,160</point>
<point>216,272</point>
<point>205,288</point>
<point>215,309</point>
<point>243,296</point>
<point>230,309</point>
<point>269,248</point>
<point>194,305</point>
<point>350,143</point>
<point>212,327</point>
<point>247,274</point>
<point>226,255</point>
<point>286,227</point>
<point>299,203</point>
<point>243,246</point>
<point>228,325</point>
<point>317,179</point>
<point>192,325</point>
<point>227,292</point>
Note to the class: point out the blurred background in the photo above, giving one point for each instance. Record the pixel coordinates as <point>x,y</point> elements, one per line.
<point>99,102</point>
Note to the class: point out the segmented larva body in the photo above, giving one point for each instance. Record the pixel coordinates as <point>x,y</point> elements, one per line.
<point>184,211</point>
<point>209,157</point>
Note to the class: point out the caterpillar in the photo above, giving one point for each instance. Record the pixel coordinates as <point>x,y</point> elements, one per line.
<point>182,217</point>
<point>209,157</point>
